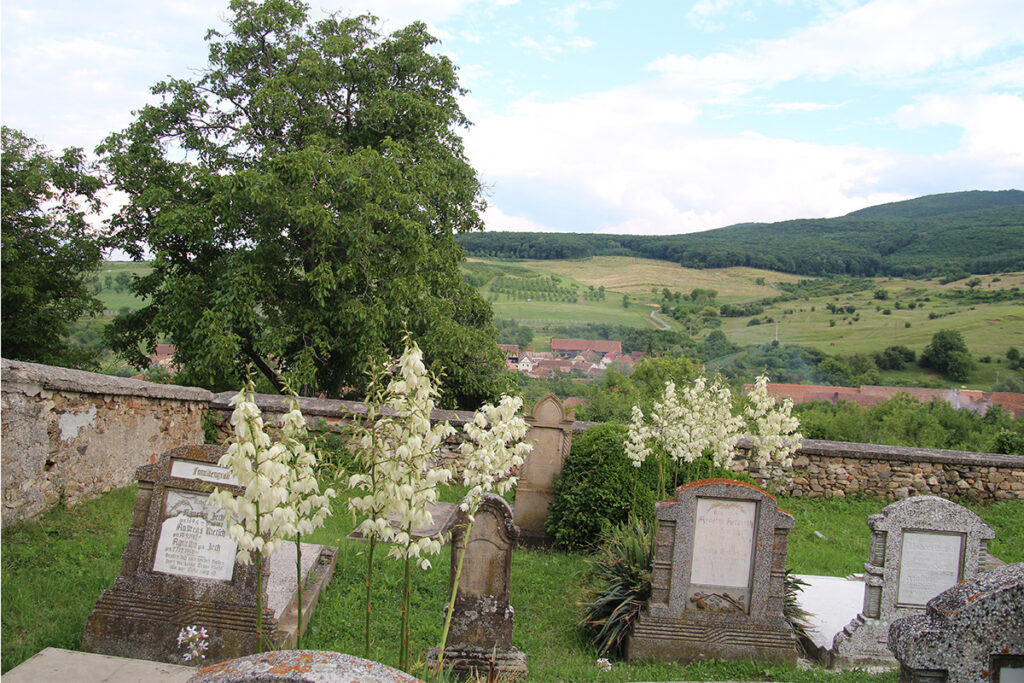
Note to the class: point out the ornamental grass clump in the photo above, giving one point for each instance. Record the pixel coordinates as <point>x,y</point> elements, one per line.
<point>620,573</point>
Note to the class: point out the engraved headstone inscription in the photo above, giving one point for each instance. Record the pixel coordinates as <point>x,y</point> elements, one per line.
<point>717,584</point>
<point>920,547</point>
<point>178,569</point>
<point>973,631</point>
<point>551,436</point>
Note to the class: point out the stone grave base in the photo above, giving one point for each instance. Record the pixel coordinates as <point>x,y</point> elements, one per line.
<point>141,626</point>
<point>478,661</point>
<point>682,641</point>
<point>861,643</point>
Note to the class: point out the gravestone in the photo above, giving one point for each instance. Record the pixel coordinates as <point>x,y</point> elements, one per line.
<point>178,569</point>
<point>717,582</point>
<point>920,546</point>
<point>551,435</point>
<point>973,631</point>
<point>301,666</point>
<point>480,637</point>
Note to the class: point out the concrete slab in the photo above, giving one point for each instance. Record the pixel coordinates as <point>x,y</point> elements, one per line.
<point>443,514</point>
<point>55,664</point>
<point>832,602</point>
<point>318,563</point>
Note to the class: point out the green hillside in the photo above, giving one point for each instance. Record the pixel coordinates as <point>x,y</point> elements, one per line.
<point>975,232</point>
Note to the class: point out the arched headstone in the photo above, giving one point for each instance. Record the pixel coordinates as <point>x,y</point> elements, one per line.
<point>551,435</point>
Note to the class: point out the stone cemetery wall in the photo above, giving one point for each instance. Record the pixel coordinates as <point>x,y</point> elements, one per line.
<point>835,469</point>
<point>72,435</point>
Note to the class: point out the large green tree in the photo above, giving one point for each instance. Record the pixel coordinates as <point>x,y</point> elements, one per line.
<point>48,248</point>
<point>947,352</point>
<point>300,198</point>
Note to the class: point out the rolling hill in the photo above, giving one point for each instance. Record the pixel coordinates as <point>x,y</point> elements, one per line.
<point>975,232</point>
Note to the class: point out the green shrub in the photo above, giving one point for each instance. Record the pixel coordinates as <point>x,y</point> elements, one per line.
<point>600,488</point>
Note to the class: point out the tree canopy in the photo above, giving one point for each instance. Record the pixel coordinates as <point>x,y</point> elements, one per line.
<point>300,198</point>
<point>48,248</point>
<point>947,353</point>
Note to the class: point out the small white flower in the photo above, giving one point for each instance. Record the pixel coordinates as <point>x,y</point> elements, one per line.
<point>604,665</point>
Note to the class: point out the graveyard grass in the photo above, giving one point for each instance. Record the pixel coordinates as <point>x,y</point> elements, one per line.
<point>55,568</point>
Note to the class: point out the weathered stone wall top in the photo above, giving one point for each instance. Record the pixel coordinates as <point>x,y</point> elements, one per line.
<point>841,449</point>
<point>29,378</point>
<point>334,409</point>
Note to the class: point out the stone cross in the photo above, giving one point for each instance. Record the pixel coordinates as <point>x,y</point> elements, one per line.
<point>551,435</point>
<point>481,630</point>
<point>178,569</point>
<point>717,584</point>
<point>920,546</point>
<point>973,631</point>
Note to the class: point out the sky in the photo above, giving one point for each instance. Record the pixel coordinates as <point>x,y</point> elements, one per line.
<point>617,116</point>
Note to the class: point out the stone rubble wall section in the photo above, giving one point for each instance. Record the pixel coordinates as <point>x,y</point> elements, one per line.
<point>71,435</point>
<point>833,469</point>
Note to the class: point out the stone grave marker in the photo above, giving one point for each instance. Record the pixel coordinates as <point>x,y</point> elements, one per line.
<point>717,584</point>
<point>973,631</point>
<point>551,435</point>
<point>481,630</point>
<point>920,547</point>
<point>178,569</point>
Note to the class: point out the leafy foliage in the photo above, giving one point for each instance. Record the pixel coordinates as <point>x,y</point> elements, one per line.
<point>600,488</point>
<point>903,421</point>
<point>948,354</point>
<point>300,197</point>
<point>48,248</point>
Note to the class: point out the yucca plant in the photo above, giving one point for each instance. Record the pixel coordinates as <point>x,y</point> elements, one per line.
<point>621,577</point>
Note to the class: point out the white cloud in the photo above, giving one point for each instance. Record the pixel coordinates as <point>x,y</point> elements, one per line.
<point>881,40</point>
<point>552,46</point>
<point>783,107</point>
<point>497,220</point>
<point>991,123</point>
<point>640,154</point>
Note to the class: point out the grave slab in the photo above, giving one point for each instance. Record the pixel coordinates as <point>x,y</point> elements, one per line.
<point>717,587</point>
<point>920,547</point>
<point>443,516</point>
<point>56,664</point>
<point>971,632</point>
<point>301,666</point>
<point>178,569</point>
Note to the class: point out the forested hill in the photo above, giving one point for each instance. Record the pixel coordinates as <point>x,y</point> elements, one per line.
<point>976,232</point>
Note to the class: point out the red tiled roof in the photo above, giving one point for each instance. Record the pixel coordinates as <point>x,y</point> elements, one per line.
<point>598,345</point>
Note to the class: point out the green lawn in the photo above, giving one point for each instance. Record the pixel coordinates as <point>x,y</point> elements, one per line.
<point>55,568</point>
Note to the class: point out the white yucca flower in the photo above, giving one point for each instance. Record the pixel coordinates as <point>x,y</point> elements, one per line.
<point>699,419</point>
<point>493,447</point>
<point>277,478</point>
<point>402,449</point>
